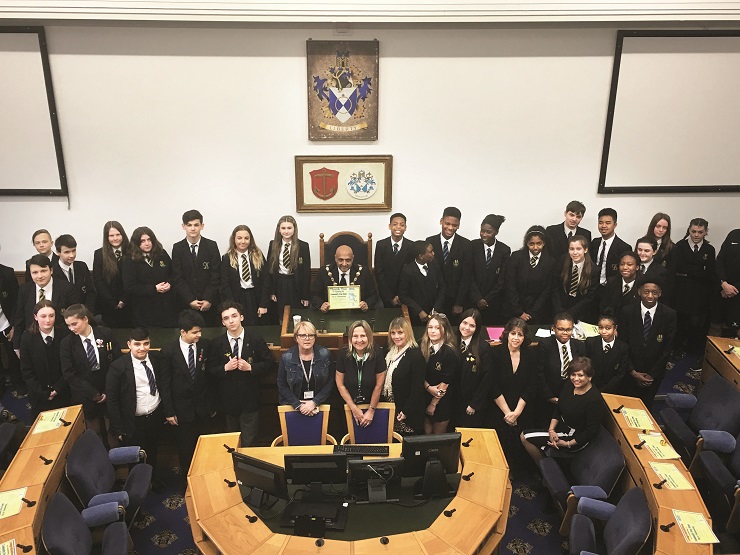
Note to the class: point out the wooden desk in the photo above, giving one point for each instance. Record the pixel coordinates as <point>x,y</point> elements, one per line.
<point>661,501</point>
<point>717,361</point>
<point>219,523</point>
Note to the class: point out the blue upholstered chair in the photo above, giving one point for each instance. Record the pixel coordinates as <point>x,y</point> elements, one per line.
<point>625,533</point>
<point>363,250</point>
<point>90,470</point>
<point>297,429</point>
<point>717,407</point>
<point>65,531</point>
<point>380,431</point>
<point>718,465</point>
<point>592,472</point>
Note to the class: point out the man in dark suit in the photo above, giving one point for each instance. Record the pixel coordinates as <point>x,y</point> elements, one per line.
<point>554,355</point>
<point>344,272</point>
<point>391,254</point>
<point>606,250</point>
<point>8,302</point>
<point>195,269</point>
<point>649,327</point>
<point>489,258</point>
<point>452,252</point>
<point>237,360</point>
<point>134,402</point>
<point>42,286</point>
<point>609,356</point>
<point>74,271</point>
<point>620,290</point>
<point>184,385</point>
<point>86,355</point>
<point>42,242</point>
<point>556,244</point>
<point>422,287</point>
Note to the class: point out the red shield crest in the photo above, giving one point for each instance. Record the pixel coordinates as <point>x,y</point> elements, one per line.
<point>324,183</point>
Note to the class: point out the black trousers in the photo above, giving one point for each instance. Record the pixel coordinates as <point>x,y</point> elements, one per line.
<point>147,431</point>
<point>187,437</point>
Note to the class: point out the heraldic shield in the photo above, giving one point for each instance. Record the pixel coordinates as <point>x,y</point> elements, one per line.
<point>324,183</point>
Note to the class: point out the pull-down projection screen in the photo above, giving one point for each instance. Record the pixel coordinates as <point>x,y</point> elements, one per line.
<point>674,113</point>
<point>31,160</point>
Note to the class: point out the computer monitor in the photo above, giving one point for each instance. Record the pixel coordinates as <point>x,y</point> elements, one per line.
<point>431,457</point>
<point>372,476</point>
<point>316,470</point>
<point>264,478</point>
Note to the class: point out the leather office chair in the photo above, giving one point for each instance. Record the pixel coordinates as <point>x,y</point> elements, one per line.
<point>297,429</point>
<point>381,429</point>
<point>625,533</point>
<point>717,407</point>
<point>65,531</point>
<point>363,250</point>
<point>593,472</point>
<point>719,468</point>
<point>90,471</point>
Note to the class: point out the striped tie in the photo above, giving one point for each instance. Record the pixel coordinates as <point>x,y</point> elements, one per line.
<point>446,250</point>
<point>192,252</point>
<point>566,362</point>
<point>148,260</point>
<point>488,257</point>
<point>191,361</point>
<point>41,295</point>
<point>647,325</point>
<point>607,348</point>
<point>286,257</point>
<point>246,274</point>
<point>118,255</point>
<point>533,260</point>
<point>150,377</point>
<point>573,281</point>
<point>395,248</point>
<point>626,290</point>
<point>92,360</point>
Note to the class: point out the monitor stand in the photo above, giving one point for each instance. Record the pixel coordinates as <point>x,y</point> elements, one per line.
<point>377,492</point>
<point>255,498</point>
<point>434,483</point>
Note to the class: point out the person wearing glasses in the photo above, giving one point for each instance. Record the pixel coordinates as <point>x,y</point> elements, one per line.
<point>305,377</point>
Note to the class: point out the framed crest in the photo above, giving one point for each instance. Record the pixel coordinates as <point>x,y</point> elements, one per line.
<point>342,90</point>
<point>343,183</point>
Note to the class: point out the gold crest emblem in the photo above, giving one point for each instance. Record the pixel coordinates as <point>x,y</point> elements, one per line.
<point>456,263</point>
<point>659,339</point>
<point>438,366</point>
<point>161,264</point>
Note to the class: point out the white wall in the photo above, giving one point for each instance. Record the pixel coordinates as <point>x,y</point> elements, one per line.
<point>157,120</point>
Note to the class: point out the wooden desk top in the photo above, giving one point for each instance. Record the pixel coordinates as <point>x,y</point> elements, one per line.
<point>210,453</point>
<point>27,469</point>
<point>58,435</point>
<point>26,516</point>
<point>723,344</point>
<point>22,536</point>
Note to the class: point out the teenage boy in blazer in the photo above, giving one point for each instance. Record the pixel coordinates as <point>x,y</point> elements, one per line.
<point>42,242</point>
<point>556,244</point>
<point>195,269</point>
<point>8,302</point>
<point>80,276</point>
<point>422,287</point>
<point>184,385</point>
<point>353,274</point>
<point>391,254</point>
<point>487,283</point>
<point>606,250</point>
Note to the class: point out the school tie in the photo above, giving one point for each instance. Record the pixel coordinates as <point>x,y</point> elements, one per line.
<point>148,260</point>
<point>573,281</point>
<point>191,361</point>
<point>642,269</point>
<point>192,252</point>
<point>395,248</point>
<point>566,362</point>
<point>246,275</point>
<point>533,260</point>
<point>696,248</point>
<point>150,377</point>
<point>235,349</point>
<point>286,256</point>
<point>118,254</point>
<point>445,250</point>
<point>647,324</point>
<point>71,275</point>
<point>41,295</point>
<point>603,251</point>
<point>92,360</point>
<point>626,289</point>
<point>426,269</point>
<point>343,279</point>
<point>49,340</point>
<point>570,234</point>
<point>607,348</point>
<point>463,347</point>
<point>489,254</point>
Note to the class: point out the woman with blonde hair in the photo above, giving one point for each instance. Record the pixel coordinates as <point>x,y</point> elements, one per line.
<point>439,348</point>
<point>242,272</point>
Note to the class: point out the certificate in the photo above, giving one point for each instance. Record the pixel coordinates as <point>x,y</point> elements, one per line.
<point>50,420</point>
<point>638,419</point>
<point>694,527</point>
<point>343,296</point>
<point>11,502</point>
<point>671,475</point>
<point>658,447</point>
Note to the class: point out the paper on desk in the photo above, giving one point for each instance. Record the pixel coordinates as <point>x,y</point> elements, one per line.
<point>638,419</point>
<point>658,446</point>
<point>494,334</point>
<point>694,527</point>
<point>672,475</point>
<point>50,420</point>
<point>582,330</point>
<point>10,502</point>
<point>543,332</point>
<point>8,547</point>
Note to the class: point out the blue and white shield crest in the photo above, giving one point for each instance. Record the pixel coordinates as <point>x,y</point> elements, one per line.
<point>343,102</point>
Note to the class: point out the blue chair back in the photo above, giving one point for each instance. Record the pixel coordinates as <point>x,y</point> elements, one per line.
<point>63,530</point>
<point>297,429</point>
<point>88,468</point>
<point>629,527</point>
<point>381,429</point>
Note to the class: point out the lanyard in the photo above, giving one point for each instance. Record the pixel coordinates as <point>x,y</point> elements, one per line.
<point>310,373</point>
<point>399,357</point>
<point>360,363</point>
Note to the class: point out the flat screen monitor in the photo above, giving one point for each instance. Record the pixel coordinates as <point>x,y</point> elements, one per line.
<point>372,476</point>
<point>316,470</point>
<point>431,457</point>
<point>264,478</point>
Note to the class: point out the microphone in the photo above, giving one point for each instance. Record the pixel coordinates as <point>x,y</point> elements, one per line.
<point>46,461</point>
<point>467,477</point>
<point>24,548</point>
<point>639,445</point>
<point>667,527</point>
<point>27,502</point>
<point>64,422</point>
<point>618,409</point>
<point>229,483</point>
<point>320,542</point>
<point>229,449</point>
<point>251,518</point>
<point>448,513</point>
<point>659,485</point>
<point>378,474</point>
<point>384,540</point>
<point>467,443</point>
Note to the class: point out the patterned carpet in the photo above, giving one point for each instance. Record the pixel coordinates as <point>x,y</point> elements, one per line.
<point>162,527</point>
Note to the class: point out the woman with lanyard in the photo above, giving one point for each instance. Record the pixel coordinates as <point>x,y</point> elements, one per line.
<point>305,377</point>
<point>360,372</point>
<point>404,381</point>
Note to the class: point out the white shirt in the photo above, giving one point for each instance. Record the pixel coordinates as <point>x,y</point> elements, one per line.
<point>91,337</point>
<point>399,243</point>
<point>646,265</point>
<point>567,230</point>
<point>185,347</point>
<point>531,256</point>
<point>492,247</point>
<point>146,403</point>
<point>604,344</point>
<point>190,247</point>
<point>346,277</point>
<point>466,342</point>
<point>691,244</point>
<point>241,342</point>
<point>48,289</point>
<point>627,284</point>
<point>560,351</point>
<point>602,277</point>
<point>245,284</point>
<point>4,323</point>
<point>644,310</point>
<point>282,269</point>
<point>66,269</point>
<point>449,241</point>
<point>422,270</point>
<point>45,335</point>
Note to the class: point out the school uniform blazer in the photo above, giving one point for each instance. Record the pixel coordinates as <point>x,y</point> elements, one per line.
<point>41,366</point>
<point>83,282</point>
<point>230,282</point>
<point>85,384</point>
<point>388,266</point>
<point>238,391</point>
<point>528,289</point>
<point>549,380</point>
<point>556,242</point>
<point>728,269</point>
<point>419,292</point>
<point>617,249</point>
<point>140,280</point>
<point>301,274</point>
<point>488,281</point>
<point>581,307</point>
<point>611,296</point>
<point>407,383</point>
<point>120,392</point>
<point>196,279</point>
<point>108,294</point>
<point>181,395</point>
<point>368,289</point>
<point>473,386</point>
<point>693,277</point>
<point>502,380</point>
<point>609,368</point>
<point>54,259</point>
<point>8,292</point>
<point>62,295</point>
<point>648,355</point>
<point>457,271</point>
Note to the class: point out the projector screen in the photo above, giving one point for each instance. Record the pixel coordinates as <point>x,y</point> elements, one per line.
<point>674,118</point>
<point>31,161</point>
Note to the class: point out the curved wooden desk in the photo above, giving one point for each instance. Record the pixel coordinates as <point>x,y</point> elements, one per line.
<point>218,514</point>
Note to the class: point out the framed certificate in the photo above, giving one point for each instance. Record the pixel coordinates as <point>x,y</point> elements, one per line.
<point>342,297</point>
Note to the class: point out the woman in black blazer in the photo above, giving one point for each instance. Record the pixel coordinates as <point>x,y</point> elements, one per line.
<point>575,289</point>
<point>41,366</point>
<point>147,278</point>
<point>471,395</point>
<point>439,348</point>
<point>404,379</point>
<point>242,272</point>
<point>528,284</point>
<point>107,275</point>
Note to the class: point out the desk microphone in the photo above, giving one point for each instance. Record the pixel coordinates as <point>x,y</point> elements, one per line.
<point>27,502</point>
<point>448,513</point>
<point>24,548</point>
<point>64,422</point>
<point>639,445</point>
<point>229,449</point>
<point>46,461</point>
<point>730,349</point>
<point>467,477</point>
<point>251,518</point>
<point>659,485</point>
<point>229,483</point>
<point>320,542</point>
<point>618,409</point>
<point>667,527</point>
<point>467,443</point>
<point>384,540</point>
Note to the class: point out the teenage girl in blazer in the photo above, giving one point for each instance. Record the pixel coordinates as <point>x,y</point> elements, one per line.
<point>242,272</point>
